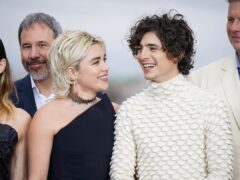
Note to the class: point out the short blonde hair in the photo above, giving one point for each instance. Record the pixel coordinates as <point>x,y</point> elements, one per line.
<point>66,51</point>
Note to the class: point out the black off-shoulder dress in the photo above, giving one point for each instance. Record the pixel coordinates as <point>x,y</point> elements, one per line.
<point>82,149</point>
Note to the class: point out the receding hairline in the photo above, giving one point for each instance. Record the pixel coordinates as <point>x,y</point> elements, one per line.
<point>42,24</point>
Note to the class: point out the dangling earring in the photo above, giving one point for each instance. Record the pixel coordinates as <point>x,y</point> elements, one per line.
<point>74,86</point>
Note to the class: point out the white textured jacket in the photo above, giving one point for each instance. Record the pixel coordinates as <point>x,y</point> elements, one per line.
<point>172,131</point>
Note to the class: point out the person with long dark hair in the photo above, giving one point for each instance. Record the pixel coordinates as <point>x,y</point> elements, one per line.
<point>13,128</point>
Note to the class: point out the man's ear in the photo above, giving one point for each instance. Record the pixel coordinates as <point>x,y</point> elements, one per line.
<point>3,63</point>
<point>71,73</point>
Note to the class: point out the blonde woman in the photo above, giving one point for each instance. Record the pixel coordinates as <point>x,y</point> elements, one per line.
<point>72,136</point>
<point>13,128</point>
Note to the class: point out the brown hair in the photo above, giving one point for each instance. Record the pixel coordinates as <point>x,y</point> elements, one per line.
<point>174,33</point>
<point>230,1</point>
<point>6,86</point>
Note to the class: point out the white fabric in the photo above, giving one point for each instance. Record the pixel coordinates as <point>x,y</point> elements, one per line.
<point>40,99</point>
<point>172,131</point>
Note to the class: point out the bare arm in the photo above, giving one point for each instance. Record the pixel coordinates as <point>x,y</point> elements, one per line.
<point>40,139</point>
<point>19,158</point>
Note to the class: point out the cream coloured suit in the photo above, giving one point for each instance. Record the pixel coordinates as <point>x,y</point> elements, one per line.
<point>222,78</point>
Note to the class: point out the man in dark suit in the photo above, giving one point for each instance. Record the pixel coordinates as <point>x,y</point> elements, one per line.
<point>35,34</point>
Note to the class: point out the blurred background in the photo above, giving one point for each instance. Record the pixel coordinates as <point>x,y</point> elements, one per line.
<point>112,21</point>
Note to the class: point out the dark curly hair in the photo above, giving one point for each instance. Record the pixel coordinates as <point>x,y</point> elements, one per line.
<point>176,36</point>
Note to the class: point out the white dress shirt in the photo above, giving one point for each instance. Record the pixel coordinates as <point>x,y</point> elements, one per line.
<point>40,99</point>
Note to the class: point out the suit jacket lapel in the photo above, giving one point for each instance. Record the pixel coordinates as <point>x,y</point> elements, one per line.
<point>231,86</point>
<point>27,97</point>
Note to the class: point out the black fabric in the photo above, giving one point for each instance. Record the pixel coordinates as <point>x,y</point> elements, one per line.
<point>8,141</point>
<point>82,149</point>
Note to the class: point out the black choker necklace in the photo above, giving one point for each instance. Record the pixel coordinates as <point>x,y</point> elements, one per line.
<point>78,100</point>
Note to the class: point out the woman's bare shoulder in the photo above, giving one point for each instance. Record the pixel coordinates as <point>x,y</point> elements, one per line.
<point>22,114</point>
<point>22,117</point>
<point>22,121</point>
<point>47,117</point>
<point>48,111</point>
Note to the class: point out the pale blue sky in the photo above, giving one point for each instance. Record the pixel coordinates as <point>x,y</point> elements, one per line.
<point>112,20</point>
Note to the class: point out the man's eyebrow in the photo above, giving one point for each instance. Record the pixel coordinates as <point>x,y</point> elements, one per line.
<point>152,45</point>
